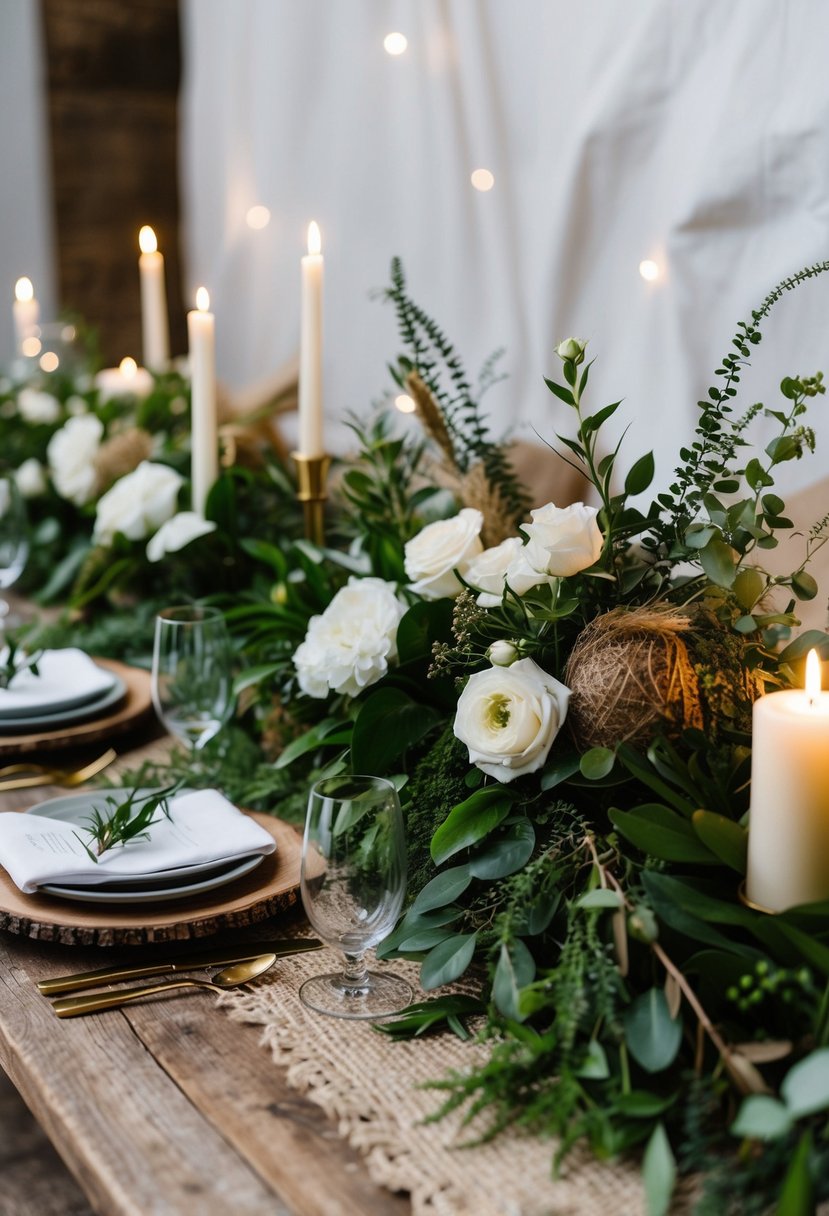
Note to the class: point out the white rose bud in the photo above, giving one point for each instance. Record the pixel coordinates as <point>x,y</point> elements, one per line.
<point>572,349</point>
<point>563,540</point>
<point>508,717</point>
<point>432,556</point>
<point>502,653</point>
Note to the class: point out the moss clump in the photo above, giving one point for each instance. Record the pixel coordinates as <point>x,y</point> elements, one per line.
<point>436,785</point>
<point>727,689</point>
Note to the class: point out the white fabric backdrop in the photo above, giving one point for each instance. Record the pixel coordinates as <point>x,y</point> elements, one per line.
<point>692,132</point>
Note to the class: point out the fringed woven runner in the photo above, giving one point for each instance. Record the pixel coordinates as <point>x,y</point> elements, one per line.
<point>369,1085</point>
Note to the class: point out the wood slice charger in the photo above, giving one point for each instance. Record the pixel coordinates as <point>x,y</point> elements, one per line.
<point>136,705</point>
<point>270,888</point>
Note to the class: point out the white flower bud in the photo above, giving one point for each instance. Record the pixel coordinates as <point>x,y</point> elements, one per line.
<point>502,653</point>
<point>572,349</point>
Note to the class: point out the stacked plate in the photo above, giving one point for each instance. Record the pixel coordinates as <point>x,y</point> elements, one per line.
<point>182,882</point>
<point>69,688</point>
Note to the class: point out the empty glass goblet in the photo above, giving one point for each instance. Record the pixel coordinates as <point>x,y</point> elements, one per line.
<point>191,678</point>
<point>14,540</point>
<point>353,879</point>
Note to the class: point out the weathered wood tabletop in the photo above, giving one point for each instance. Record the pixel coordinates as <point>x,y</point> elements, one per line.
<point>167,1107</point>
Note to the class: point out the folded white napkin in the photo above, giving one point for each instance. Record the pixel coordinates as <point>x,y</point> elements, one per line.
<point>65,678</point>
<point>203,827</point>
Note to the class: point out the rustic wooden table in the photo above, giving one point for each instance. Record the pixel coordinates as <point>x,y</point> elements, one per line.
<point>168,1108</point>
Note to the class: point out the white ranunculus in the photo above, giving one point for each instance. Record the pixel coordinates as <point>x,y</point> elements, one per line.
<point>563,540</point>
<point>31,478</point>
<point>35,406</point>
<point>441,548</point>
<point>487,571</point>
<point>71,453</point>
<point>137,504</point>
<point>350,646</point>
<point>176,533</point>
<point>502,653</point>
<point>508,717</point>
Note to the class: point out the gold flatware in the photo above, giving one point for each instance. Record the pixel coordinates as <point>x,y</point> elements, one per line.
<point>217,957</point>
<point>39,774</point>
<point>230,977</point>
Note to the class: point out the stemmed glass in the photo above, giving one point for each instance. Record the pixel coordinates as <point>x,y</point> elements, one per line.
<point>191,679</point>
<point>353,879</point>
<point>14,540</point>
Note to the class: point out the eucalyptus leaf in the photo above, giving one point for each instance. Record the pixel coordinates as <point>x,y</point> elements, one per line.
<point>447,961</point>
<point>652,1035</point>
<point>597,763</point>
<point>388,724</point>
<point>660,832</point>
<point>444,889</point>
<point>719,561</point>
<point>506,855</point>
<point>723,837</point>
<point>514,970</point>
<point>658,1173</point>
<point>602,897</point>
<point>762,1118</point>
<point>805,1087</point>
<point>470,821</point>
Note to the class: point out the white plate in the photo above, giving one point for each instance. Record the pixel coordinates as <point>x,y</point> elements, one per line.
<point>65,679</point>
<point>67,717</point>
<point>176,883</point>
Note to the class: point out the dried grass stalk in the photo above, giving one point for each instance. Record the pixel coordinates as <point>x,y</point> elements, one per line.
<point>431,416</point>
<point>120,455</point>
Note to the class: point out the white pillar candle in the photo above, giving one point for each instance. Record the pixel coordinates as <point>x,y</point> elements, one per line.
<point>788,837</point>
<point>154,327</point>
<point>126,380</point>
<point>204,426</point>
<point>26,314</point>
<point>310,349</point>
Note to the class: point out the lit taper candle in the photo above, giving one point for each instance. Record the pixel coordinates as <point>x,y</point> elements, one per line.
<point>26,314</point>
<point>201,334</point>
<point>310,350</point>
<point>788,835</point>
<point>155,329</point>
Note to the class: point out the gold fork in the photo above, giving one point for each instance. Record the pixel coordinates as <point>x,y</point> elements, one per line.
<point>39,774</point>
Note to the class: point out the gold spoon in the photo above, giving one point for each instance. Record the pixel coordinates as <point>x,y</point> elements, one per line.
<point>230,977</point>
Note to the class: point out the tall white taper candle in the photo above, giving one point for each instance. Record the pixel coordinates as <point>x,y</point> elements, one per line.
<point>204,432</point>
<point>310,350</point>
<point>155,329</point>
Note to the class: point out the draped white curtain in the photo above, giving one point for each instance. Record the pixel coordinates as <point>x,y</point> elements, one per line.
<point>689,132</point>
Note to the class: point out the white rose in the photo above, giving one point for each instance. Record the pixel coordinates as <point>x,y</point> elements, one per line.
<point>31,478</point>
<point>176,533</point>
<point>439,549</point>
<point>76,405</point>
<point>35,406</point>
<point>563,540</point>
<point>487,571</point>
<point>502,653</point>
<point>137,504</point>
<point>350,646</point>
<point>522,577</point>
<point>71,453</point>
<point>508,717</point>
<point>571,349</point>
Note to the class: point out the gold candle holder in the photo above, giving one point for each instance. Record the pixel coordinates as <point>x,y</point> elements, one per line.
<point>312,478</point>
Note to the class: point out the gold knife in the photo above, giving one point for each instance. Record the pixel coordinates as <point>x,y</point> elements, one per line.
<point>218,956</point>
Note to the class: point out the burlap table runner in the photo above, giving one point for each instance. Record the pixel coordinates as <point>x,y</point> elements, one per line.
<point>369,1084</point>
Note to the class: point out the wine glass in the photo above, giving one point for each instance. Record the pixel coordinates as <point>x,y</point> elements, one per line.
<point>14,540</point>
<point>353,879</point>
<point>191,680</point>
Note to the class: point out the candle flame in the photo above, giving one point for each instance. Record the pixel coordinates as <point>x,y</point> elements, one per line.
<point>146,240</point>
<point>128,367</point>
<point>314,238</point>
<point>23,289</point>
<point>813,675</point>
<point>202,299</point>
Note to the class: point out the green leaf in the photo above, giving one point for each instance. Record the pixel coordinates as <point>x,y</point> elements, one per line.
<point>601,897</point>
<point>470,821</point>
<point>254,675</point>
<point>660,832</point>
<point>425,623</point>
<point>756,476</point>
<point>560,391</point>
<point>805,1087</point>
<point>812,638</point>
<point>719,561</point>
<point>640,475</point>
<point>594,421</point>
<point>388,724</point>
<point>595,1066</point>
<point>315,737</point>
<point>514,970</point>
<point>641,1104</point>
<point>559,769</point>
<point>797,1196</point>
<point>745,624</point>
<point>658,1173</point>
<point>443,889</point>
<point>447,961</point>
<point>748,587</point>
<point>804,586</point>
<point>507,855</point>
<point>652,1035</point>
<point>762,1118</point>
<point>597,763</point>
<point>723,837</point>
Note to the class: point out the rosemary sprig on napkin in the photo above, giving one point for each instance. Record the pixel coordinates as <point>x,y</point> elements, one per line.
<point>130,819</point>
<point>16,661</point>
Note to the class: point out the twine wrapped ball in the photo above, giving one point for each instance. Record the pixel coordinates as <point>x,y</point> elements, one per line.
<point>628,672</point>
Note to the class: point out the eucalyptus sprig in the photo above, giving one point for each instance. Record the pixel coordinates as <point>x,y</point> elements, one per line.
<point>131,818</point>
